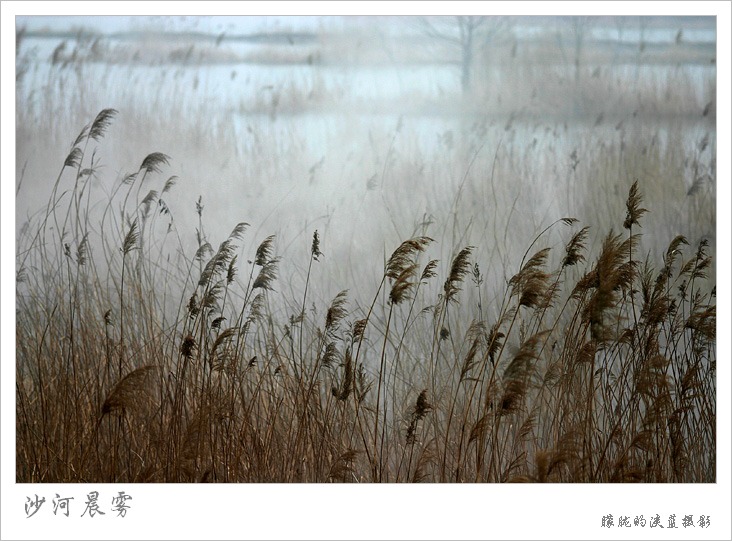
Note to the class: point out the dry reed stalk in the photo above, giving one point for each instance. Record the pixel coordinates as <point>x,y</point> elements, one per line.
<point>627,393</point>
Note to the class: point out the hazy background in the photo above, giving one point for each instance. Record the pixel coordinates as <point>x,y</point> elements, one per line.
<point>369,130</point>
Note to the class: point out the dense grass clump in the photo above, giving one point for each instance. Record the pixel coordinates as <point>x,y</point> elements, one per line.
<point>138,361</point>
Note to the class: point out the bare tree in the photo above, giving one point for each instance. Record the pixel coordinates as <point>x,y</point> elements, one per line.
<point>642,26</point>
<point>577,29</point>
<point>463,33</point>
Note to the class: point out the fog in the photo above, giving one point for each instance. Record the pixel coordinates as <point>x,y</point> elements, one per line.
<point>366,249</point>
<point>372,130</point>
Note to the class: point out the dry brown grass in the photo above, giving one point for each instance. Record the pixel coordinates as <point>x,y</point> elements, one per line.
<point>141,363</point>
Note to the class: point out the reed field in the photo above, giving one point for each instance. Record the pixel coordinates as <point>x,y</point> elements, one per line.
<point>310,283</point>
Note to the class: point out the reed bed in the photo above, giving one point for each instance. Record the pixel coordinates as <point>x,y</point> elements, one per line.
<point>140,359</point>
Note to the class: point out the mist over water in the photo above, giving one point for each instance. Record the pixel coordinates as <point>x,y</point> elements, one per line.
<point>362,130</point>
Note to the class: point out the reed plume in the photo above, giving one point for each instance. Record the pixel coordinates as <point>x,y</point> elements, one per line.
<point>634,210</point>
<point>100,124</point>
<point>129,391</point>
<point>458,270</point>
<point>153,161</point>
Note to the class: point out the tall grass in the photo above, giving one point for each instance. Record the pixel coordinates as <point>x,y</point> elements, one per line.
<point>139,360</point>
